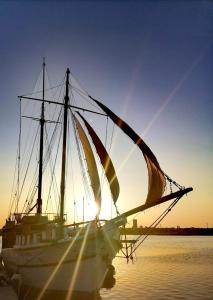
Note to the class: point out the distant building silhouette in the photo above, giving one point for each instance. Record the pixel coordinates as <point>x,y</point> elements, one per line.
<point>135,223</point>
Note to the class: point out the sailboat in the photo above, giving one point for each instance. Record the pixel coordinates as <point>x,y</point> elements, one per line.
<point>46,252</point>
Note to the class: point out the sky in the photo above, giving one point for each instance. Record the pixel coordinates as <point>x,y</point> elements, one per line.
<point>150,61</point>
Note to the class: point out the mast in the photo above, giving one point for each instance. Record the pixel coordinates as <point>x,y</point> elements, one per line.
<point>64,147</point>
<point>42,121</point>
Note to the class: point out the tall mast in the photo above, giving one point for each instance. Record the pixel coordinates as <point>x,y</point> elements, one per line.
<point>64,149</point>
<point>42,121</point>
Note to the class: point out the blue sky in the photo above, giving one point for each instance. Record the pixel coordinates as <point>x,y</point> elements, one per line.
<point>150,61</point>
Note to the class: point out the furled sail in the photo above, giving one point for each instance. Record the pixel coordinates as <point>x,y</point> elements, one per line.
<point>105,161</point>
<point>157,180</point>
<point>91,164</point>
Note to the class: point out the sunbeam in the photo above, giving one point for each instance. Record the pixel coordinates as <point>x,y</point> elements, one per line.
<point>166,102</point>
<point>77,265</point>
<point>109,241</point>
<point>58,265</point>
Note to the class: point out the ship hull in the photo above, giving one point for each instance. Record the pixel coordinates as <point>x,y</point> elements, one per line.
<point>78,264</point>
<point>87,276</point>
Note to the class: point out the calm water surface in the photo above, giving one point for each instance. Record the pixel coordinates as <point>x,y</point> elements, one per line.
<point>166,267</point>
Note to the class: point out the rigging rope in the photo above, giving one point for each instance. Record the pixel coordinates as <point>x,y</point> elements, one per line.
<point>48,152</point>
<point>19,157</point>
<point>170,180</point>
<point>134,245</point>
<point>52,165</point>
<point>27,167</point>
<point>75,211</point>
<point>17,165</point>
<point>46,90</point>
<point>31,192</point>
<point>83,92</point>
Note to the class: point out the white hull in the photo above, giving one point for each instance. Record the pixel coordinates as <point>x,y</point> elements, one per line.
<point>73,265</point>
<point>89,276</point>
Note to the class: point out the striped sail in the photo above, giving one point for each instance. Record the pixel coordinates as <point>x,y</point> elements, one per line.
<point>156,177</point>
<point>105,161</point>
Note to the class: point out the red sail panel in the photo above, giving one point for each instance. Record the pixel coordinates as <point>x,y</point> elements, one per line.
<point>157,180</point>
<point>105,161</point>
<point>91,164</point>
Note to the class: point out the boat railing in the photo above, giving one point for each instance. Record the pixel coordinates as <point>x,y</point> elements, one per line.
<point>77,224</point>
<point>50,216</point>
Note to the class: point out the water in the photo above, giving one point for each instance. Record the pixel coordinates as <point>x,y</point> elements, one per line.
<point>166,267</point>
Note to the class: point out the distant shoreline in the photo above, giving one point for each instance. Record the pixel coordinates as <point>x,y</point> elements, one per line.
<point>167,231</point>
<point>164,231</point>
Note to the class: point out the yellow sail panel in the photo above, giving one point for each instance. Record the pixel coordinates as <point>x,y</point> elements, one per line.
<point>91,164</point>
<point>156,182</point>
<point>105,161</point>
